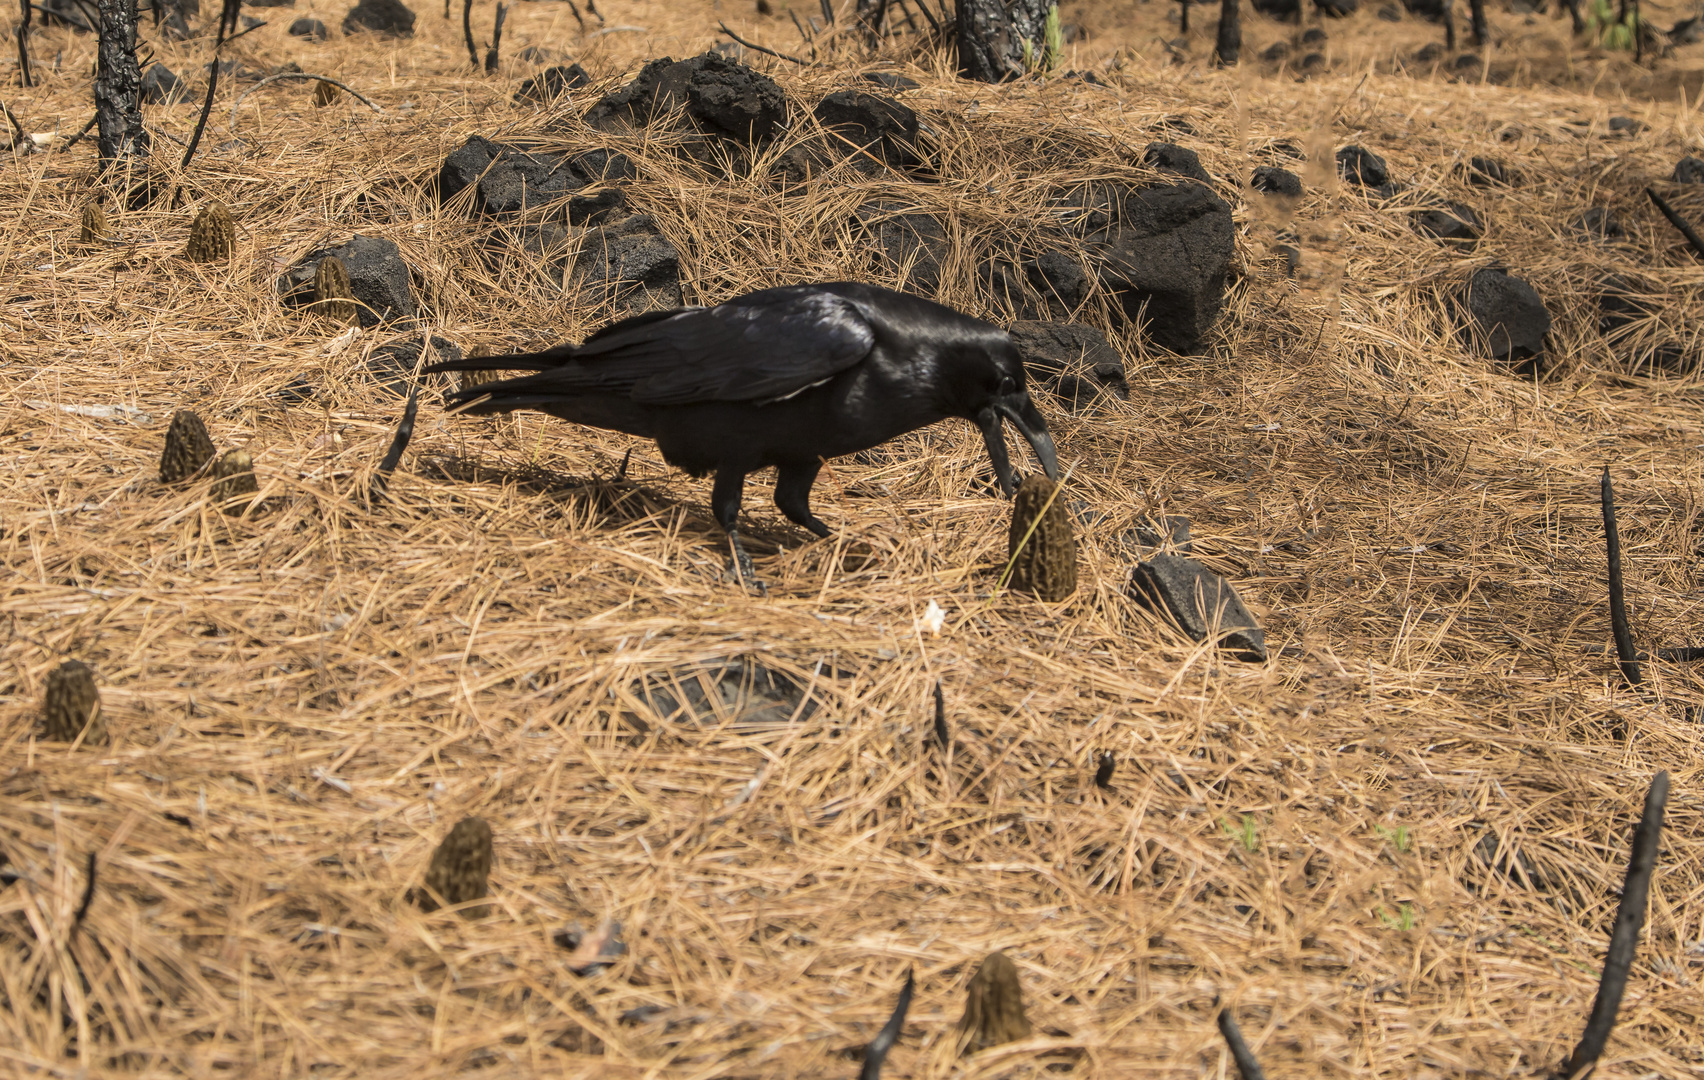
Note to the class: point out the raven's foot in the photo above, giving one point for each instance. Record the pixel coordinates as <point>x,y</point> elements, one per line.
<point>740,566</point>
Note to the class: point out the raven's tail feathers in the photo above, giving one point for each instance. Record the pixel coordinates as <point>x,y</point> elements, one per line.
<point>547,360</point>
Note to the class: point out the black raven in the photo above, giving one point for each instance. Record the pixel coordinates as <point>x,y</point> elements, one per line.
<point>787,377</point>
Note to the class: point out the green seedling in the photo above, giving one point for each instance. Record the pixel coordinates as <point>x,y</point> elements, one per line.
<point>1054,36</point>
<point>1398,838</point>
<point>1611,29</point>
<point>1404,919</point>
<point>1247,834</point>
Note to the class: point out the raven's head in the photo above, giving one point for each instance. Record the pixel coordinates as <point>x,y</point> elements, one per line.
<point>990,383</point>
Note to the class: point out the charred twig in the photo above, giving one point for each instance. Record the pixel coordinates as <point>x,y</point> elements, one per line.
<point>876,1053</point>
<point>1624,939</point>
<point>760,48</point>
<point>621,473</point>
<point>88,895</point>
<point>1246,1064</point>
<point>229,15</point>
<point>1183,15</point>
<point>496,39</point>
<point>1617,598</point>
<point>467,32</point>
<point>1686,654</point>
<point>1678,222</point>
<point>934,23</point>
<point>799,26</point>
<point>23,45</point>
<point>393,456</point>
<point>581,19</point>
<point>827,11</point>
<point>943,737</point>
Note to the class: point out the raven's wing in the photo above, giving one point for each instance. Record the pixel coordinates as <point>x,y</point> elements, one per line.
<point>763,347</point>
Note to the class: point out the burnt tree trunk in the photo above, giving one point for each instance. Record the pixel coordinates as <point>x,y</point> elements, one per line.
<point>1183,15</point>
<point>991,36</point>
<point>1574,16</point>
<point>24,45</point>
<point>118,85</point>
<point>1476,9</point>
<point>1229,44</point>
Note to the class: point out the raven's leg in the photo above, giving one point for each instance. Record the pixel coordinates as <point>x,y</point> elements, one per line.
<point>793,494</point>
<point>725,504</point>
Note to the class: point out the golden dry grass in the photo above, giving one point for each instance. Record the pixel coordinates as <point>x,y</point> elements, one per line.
<point>304,699</point>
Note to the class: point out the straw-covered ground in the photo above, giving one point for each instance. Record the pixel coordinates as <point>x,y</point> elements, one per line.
<point>304,699</point>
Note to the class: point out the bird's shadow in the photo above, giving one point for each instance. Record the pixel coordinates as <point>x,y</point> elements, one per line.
<point>614,502</point>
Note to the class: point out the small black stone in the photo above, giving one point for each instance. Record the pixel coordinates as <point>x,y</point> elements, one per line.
<point>1275,181</point>
<point>1426,54</point>
<point>1278,50</point>
<point>1313,36</point>
<point>378,277</point>
<point>887,80</point>
<point>1152,532</point>
<point>1358,165</point>
<point>1483,171</point>
<point>1456,222</point>
<point>1197,600</point>
<point>552,83</point>
<point>298,391</point>
<point>1625,125</point>
<point>1596,223</point>
<point>392,365</point>
<point>1311,61</point>
<point>1467,62</point>
<point>1076,361</point>
<point>597,209</point>
<point>312,29</point>
<point>1689,170</point>
<point>388,17</point>
<point>161,86</point>
<point>1172,158</point>
<point>1390,13</point>
<point>1337,9</point>
<point>1509,314</point>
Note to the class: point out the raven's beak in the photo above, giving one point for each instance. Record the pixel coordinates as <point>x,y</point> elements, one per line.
<point>1021,411</point>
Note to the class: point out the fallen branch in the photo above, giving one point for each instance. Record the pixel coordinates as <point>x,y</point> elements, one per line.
<point>760,48</point>
<point>1678,222</point>
<point>228,16</point>
<point>1617,597</point>
<point>1624,939</point>
<point>75,139</point>
<point>575,8</point>
<point>1246,1064</point>
<point>393,456</point>
<point>943,738</point>
<point>351,91</point>
<point>876,1053</point>
<point>1686,654</point>
<point>23,45</point>
<point>88,896</point>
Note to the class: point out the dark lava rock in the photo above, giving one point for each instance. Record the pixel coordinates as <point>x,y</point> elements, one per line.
<point>1278,9</point>
<point>392,364</point>
<point>1278,50</point>
<point>298,391</point>
<point>377,276</point>
<point>1505,860</point>
<point>738,692</point>
<point>1197,601</point>
<point>1484,171</point>
<point>161,86</point>
<point>722,97</point>
<point>1311,61</point>
<point>1358,165</point>
<point>1456,222</point>
<point>1276,181</point>
<point>269,3</point>
<point>1596,223</point>
<point>1076,362</point>
<point>1430,10</point>
<point>1313,36</point>
<point>1390,13</point>
<point>1061,279</point>
<point>312,29</point>
<point>871,132</point>
<point>552,83</point>
<point>1619,305</point>
<point>599,208</point>
<point>629,265</point>
<point>1428,53</point>
<point>1508,315</point>
<point>1687,31</point>
<point>1467,62</point>
<point>534,54</point>
<point>388,17</point>
<point>887,80</point>
<point>510,179</point>
<point>1172,158</point>
<point>1337,9</point>
<point>1161,252</point>
<point>1625,125</point>
<point>1689,170</point>
<point>911,243</point>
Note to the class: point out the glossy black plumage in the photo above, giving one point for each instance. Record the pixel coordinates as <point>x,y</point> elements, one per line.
<point>784,377</point>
